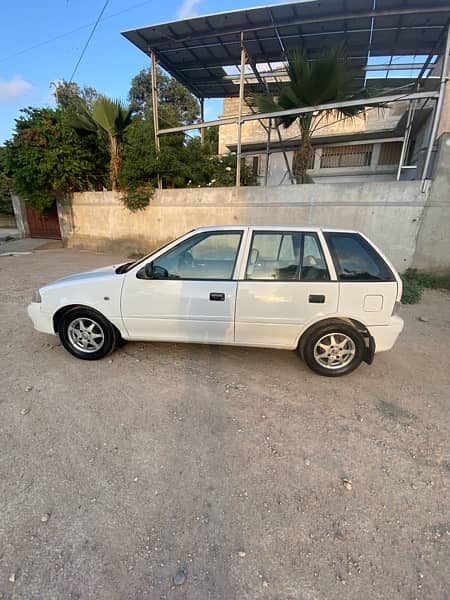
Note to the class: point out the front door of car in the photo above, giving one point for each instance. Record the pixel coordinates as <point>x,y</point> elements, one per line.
<point>187,294</point>
<point>286,285</point>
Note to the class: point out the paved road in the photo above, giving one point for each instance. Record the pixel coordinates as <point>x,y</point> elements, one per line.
<point>227,463</point>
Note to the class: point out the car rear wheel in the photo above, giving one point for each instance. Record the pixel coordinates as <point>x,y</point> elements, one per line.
<point>87,334</point>
<point>334,349</point>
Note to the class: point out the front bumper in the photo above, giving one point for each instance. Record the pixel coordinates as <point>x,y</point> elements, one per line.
<point>42,321</point>
<point>385,336</point>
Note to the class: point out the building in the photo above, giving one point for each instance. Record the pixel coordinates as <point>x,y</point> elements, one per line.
<point>362,149</point>
<point>399,48</point>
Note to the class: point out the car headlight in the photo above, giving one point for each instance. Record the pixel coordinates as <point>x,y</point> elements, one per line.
<point>36,296</point>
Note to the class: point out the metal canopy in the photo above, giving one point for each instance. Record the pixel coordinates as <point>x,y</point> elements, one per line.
<point>199,51</point>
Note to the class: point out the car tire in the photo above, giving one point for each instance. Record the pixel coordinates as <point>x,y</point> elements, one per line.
<point>333,349</point>
<point>86,334</point>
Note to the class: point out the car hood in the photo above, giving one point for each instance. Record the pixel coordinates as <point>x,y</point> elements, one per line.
<point>86,277</point>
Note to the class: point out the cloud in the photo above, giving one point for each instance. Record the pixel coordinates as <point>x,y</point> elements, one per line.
<point>15,88</point>
<point>188,8</point>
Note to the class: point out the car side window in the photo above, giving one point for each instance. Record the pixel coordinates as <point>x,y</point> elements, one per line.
<point>314,267</point>
<point>203,256</point>
<point>274,256</point>
<point>355,259</point>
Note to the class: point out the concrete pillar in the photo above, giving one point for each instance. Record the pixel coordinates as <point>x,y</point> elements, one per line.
<point>444,124</point>
<point>20,213</point>
<point>66,220</point>
<point>433,240</point>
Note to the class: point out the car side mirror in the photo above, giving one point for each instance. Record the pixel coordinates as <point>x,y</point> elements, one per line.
<point>149,270</point>
<point>155,272</point>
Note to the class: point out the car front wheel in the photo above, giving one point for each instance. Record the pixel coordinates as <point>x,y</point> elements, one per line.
<point>87,334</point>
<point>334,349</point>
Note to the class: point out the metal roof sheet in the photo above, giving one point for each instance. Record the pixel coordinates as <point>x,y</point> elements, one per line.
<point>196,50</point>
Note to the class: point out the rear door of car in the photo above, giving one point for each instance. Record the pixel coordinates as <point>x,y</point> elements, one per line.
<point>286,282</point>
<point>369,285</point>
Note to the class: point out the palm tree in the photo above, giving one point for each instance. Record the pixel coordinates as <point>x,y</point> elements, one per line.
<point>113,119</point>
<point>327,80</point>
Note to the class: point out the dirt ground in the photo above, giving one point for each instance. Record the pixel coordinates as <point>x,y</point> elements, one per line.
<point>236,470</point>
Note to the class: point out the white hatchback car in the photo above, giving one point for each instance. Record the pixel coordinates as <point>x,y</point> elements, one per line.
<point>329,294</point>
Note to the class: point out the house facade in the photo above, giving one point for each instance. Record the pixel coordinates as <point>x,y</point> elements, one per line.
<point>366,148</point>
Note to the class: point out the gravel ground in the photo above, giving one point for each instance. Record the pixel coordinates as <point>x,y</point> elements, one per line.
<point>237,471</point>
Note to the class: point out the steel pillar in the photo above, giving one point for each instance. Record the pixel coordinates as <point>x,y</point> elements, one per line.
<point>154,73</point>
<point>409,121</point>
<point>240,106</point>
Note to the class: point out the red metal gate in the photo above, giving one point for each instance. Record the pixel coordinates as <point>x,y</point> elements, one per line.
<point>44,225</point>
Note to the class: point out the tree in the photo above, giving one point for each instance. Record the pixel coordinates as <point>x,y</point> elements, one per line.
<point>326,80</point>
<point>5,183</point>
<point>46,159</point>
<point>112,118</point>
<point>141,163</point>
<point>211,139</point>
<point>68,94</point>
<point>169,91</point>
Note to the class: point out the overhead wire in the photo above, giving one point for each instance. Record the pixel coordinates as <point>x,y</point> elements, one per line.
<point>91,35</point>
<point>72,31</point>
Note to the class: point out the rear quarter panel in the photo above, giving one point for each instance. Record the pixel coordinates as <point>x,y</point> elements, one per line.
<point>372,303</point>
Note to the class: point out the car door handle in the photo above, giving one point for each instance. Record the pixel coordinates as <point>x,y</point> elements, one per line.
<point>217,297</point>
<point>316,299</point>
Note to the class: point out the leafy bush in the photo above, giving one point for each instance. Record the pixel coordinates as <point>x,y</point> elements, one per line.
<point>46,158</point>
<point>412,290</point>
<point>138,199</point>
<point>415,281</point>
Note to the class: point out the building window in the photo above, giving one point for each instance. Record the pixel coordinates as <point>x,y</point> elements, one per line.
<point>334,157</point>
<point>390,153</point>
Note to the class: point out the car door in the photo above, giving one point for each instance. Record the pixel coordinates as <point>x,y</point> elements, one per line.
<point>368,286</point>
<point>286,284</point>
<point>190,294</point>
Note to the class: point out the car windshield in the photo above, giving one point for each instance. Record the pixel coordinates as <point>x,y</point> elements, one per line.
<point>124,268</point>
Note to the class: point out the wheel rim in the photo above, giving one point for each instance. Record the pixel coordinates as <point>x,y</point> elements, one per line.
<point>334,350</point>
<point>86,335</point>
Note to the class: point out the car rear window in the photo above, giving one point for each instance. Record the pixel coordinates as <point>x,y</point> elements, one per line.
<point>355,259</point>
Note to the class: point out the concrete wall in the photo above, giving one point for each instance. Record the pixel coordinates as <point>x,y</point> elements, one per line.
<point>388,212</point>
<point>433,239</point>
<point>8,221</point>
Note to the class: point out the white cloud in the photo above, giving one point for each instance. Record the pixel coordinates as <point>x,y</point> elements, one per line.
<point>15,88</point>
<point>188,8</point>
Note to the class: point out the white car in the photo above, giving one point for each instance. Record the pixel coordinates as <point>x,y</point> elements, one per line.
<point>331,295</point>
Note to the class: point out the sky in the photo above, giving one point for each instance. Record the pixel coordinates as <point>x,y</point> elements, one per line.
<point>31,57</point>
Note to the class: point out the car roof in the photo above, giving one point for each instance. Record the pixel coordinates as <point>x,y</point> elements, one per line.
<point>271,228</point>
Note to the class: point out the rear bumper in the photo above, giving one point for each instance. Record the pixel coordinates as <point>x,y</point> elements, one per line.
<point>385,336</point>
<point>42,321</point>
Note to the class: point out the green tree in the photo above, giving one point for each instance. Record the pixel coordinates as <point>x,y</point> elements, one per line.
<point>203,168</point>
<point>46,159</point>
<point>5,183</point>
<point>141,163</point>
<point>169,91</point>
<point>211,139</point>
<point>113,119</point>
<point>68,94</point>
<point>181,163</point>
<point>323,81</point>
